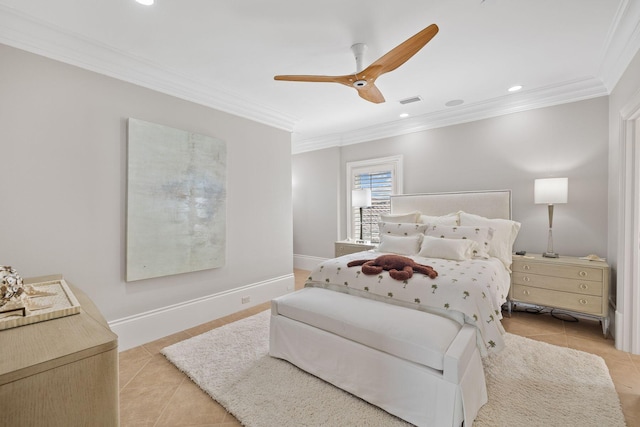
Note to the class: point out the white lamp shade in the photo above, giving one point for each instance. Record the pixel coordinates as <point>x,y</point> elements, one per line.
<point>550,191</point>
<point>361,198</point>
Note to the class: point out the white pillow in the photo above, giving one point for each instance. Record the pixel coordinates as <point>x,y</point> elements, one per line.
<point>406,217</point>
<point>440,247</point>
<point>449,219</point>
<point>402,228</point>
<point>402,245</point>
<point>481,235</point>
<point>504,234</point>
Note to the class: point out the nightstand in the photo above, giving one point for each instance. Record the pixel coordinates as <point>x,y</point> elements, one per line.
<point>344,247</point>
<point>567,283</point>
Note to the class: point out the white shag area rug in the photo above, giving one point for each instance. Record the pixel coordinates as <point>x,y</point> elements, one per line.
<point>530,383</point>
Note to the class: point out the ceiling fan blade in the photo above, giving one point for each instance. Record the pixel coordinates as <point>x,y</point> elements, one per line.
<point>303,78</point>
<point>401,53</point>
<point>367,91</point>
<point>371,93</point>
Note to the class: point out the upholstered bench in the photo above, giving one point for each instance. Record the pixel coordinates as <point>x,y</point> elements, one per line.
<point>421,367</point>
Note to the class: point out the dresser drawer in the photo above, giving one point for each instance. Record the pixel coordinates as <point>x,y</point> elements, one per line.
<point>550,298</point>
<point>558,270</point>
<point>577,286</point>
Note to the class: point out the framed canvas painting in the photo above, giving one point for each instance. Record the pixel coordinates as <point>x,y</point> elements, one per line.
<point>176,201</point>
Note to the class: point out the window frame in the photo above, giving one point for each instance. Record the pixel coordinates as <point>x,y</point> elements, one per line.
<point>390,163</point>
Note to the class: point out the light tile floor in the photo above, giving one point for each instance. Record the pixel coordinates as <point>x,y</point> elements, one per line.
<point>154,393</point>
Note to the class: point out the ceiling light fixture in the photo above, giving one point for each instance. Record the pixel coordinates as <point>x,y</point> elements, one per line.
<point>145,2</point>
<point>410,100</point>
<point>454,103</point>
<point>404,115</point>
<point>515,88</point>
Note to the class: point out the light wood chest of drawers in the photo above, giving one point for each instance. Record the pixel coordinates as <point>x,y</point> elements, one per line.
<point>345,247</point>
<point>567,283</point>
<point>61,372</point>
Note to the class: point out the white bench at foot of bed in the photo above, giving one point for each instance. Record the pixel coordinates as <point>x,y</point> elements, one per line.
<point>423,368</point>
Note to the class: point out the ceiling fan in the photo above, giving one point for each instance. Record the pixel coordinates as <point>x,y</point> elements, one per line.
<point>364,80</point>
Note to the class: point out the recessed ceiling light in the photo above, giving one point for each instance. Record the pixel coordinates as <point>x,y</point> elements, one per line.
<point>515,88</point>
<point>404,115</point>
<point>454,103</point>
<point>145,2</point>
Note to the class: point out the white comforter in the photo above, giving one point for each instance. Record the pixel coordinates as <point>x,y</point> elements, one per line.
<point>470,291</point>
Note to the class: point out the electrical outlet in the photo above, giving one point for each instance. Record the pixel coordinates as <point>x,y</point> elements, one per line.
<point>246,299</point>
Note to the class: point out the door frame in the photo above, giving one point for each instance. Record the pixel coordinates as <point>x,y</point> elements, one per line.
<point>627,315</point>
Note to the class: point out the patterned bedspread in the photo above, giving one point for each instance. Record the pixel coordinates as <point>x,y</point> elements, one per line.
<point>470,291</point>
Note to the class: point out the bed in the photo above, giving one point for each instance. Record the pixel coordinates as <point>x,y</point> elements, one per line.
<point>467,239</point>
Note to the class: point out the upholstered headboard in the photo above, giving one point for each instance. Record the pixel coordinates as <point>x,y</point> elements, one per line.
<point>489,204</point>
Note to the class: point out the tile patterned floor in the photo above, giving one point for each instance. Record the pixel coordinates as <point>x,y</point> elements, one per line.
<point>154,393</point>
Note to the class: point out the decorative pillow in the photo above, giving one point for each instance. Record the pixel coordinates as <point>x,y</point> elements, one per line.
<point>440,247</point>
<point>402,228</point>
<point>505,233</point>
<point>480,235</point>
<point>449,219</point>
<point>402,245</point>
<point>407,217</point>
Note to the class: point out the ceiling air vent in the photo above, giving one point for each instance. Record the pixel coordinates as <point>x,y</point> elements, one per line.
<point>410,100</point>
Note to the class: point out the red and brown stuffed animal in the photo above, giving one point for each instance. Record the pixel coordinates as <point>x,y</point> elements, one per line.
<point>399,267</point>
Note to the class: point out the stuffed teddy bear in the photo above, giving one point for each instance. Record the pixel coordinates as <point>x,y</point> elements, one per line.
<point>399,267</point>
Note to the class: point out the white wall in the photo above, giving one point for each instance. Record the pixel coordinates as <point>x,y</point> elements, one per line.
<point>63,189</point>
<point>624,91</point>
<point>316,195</point>
<point>627,305</point>
<point>506,152</point>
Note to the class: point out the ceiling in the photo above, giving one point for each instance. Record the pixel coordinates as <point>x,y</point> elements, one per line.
<point>224,54</point>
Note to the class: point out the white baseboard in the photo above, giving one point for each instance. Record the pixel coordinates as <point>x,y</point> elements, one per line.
<point>306,262</point>
<point>618,338</point>
<point>149,326</point>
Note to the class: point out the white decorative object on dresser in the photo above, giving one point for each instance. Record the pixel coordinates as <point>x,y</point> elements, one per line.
<point>568,283</point>
<point>345,247</point>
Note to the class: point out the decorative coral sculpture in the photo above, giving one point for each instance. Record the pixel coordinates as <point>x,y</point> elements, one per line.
<point>11,289</point>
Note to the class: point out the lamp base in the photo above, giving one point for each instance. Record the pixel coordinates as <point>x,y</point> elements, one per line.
<point>550,255</point>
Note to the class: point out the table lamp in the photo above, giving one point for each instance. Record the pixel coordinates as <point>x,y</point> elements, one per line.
<point>551,191</point>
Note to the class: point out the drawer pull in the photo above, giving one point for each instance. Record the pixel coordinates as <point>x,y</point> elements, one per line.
<point>582,274</point>
<point>583,301</point>
<point>526,267</point>
<point>526,292</point>
<point>584,286</point>
<point>526,279</point>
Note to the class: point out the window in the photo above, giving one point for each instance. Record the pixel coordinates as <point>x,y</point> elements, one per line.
<point>384,177</point>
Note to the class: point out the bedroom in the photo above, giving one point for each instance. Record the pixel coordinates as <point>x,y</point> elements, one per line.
<point>64,139</point>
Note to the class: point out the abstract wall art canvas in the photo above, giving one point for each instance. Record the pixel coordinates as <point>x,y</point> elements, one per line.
<point>176,201</point>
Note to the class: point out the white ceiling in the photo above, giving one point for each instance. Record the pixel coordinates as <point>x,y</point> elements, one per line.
<point>224,54</point>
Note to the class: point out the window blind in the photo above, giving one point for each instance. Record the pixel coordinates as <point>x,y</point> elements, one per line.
<point>381,185</point>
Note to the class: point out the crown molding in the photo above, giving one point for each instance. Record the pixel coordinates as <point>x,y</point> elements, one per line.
<point>26,33</point>
<point>571,91</point>
<point>621,44</point>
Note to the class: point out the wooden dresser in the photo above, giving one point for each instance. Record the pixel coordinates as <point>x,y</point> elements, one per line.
<point>569,283</point>
<point>60,372</point>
